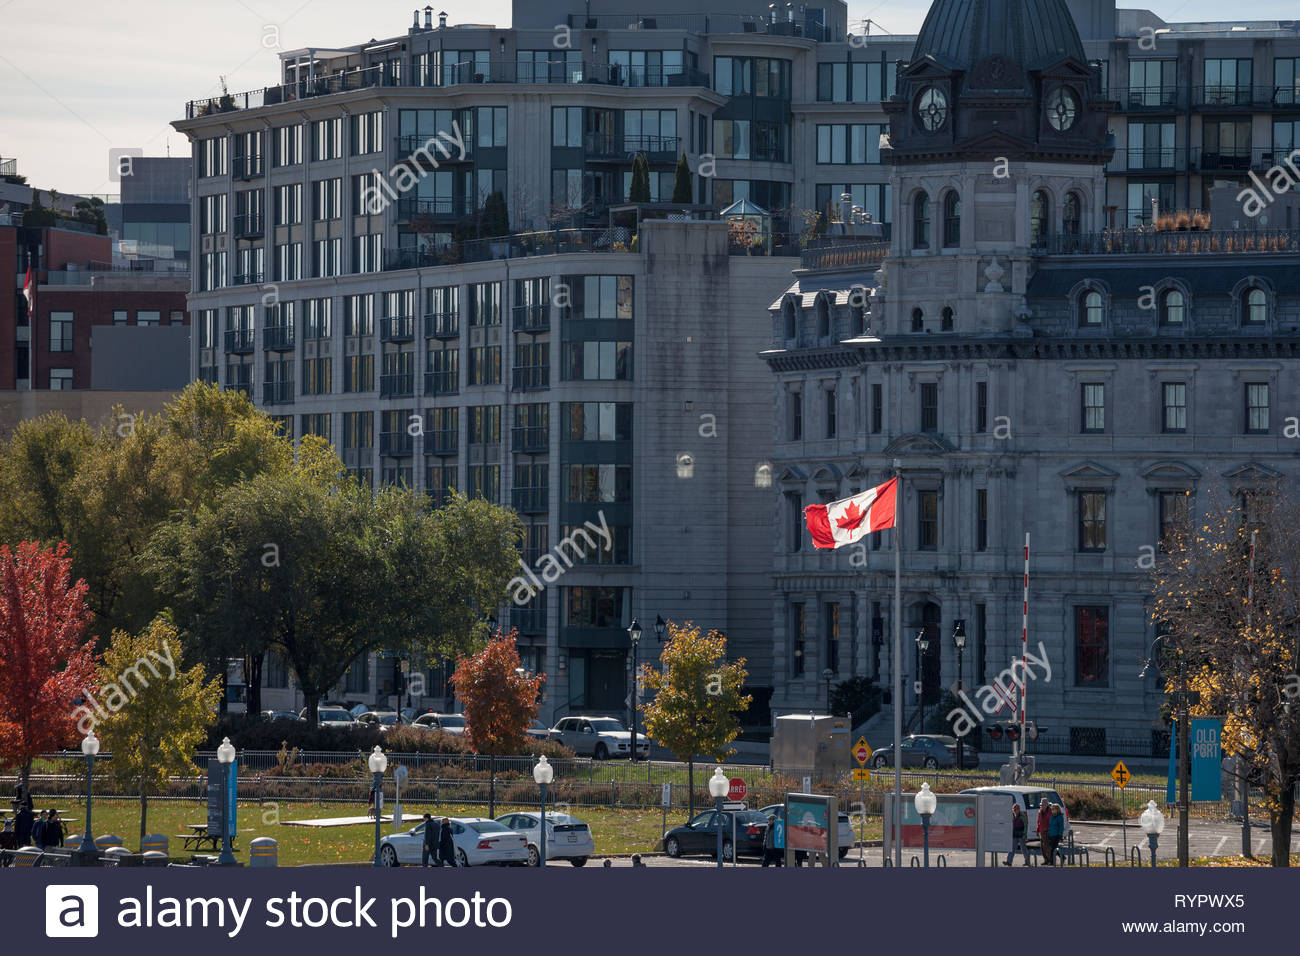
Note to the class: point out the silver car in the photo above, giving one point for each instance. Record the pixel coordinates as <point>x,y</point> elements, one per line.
<point>599,738</point>
<point>567,837</point>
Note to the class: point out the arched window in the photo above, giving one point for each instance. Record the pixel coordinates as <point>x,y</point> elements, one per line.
<point>918,320</point>
<point>1254,307</point>
<point>823,319</point>
<point>951,220</point>
<point>946,317</point>
<point>1039,221</point>
<point>1071,214</point>
<point>1172,309</point>
<point>791,325</point>
<point>1092,308</point>
<point>921,221</point>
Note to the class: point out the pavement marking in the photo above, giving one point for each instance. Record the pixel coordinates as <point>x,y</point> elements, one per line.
<point>1219,846</point>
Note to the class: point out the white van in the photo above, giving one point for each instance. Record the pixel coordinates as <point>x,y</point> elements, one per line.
<point>1030,799</point>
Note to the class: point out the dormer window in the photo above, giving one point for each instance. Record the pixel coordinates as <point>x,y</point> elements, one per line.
<point>932,109</point>
<point>1172,308</point>
<point>1062,108</point>
<point>788,320</point>
<point>1255,307</point>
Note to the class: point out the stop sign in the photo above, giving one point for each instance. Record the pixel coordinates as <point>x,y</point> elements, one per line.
<point>736,789</point>
<point>862,753</point>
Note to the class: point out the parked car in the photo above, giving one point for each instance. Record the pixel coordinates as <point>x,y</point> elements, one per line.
<point>383,719</point>
<point>279,715</point>
<point>356,710</point>
<point>330,717</point>
<point>845,837</point>
<point>567,837</point>
<point>700,835</point>
<point>598,737</point>
<point>929,751</point>
<point>479,842</point>
<point>1030,799</point>
<point>447,723</point>
<point>537,730</point>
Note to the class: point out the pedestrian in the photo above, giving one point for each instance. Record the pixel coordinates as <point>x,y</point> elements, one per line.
<point>429,850</point>
<point>446,846</point>
<point>771,855</point>
<point>53,830</point>
<point>1055,832</point>
<point>23,821</point>
<point>38,832</point>
<point>1040,827</point>
<point>1017,835</point>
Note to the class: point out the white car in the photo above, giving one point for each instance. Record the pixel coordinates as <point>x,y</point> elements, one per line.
<point>479,842</point>
<point>845,836</point>
<point>599,738</point>
<point>453,724</point>
<point>567,838</point>
<point>1030,799</point>
<point>331,717</point>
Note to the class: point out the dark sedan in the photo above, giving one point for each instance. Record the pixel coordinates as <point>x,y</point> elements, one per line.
<point>700,835</point>
<point>929,751</point>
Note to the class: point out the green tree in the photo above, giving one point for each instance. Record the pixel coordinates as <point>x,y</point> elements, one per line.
<point>496,216</point>
<point>697,697</point>
<point>91,211</point>
<point>156,713</point>
<point>682,191</point>
<point>639,190</point>
<point>499,702</point>
<point>36,215</point>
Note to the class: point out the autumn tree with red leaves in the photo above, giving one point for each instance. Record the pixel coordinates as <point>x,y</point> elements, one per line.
<point>46,662</point>
<point>500,701</point>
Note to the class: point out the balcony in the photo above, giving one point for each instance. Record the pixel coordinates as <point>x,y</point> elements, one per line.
<point>1175,243</point>
<point>1147,99</point>
<point>1244,97</point>
<point>342,81</point>
<point>531,318</point>
<point>441,383</point>
<point>443,148</point>
<point>441,325</point>
<point>249,226</point>
<point>397,328</point>
<point>623,148</point>
<point>1235,161</point>
<point>521,245</point>
<point>397,385</point>
<point>396,444</point>
<point>528,620</point>
<point>249,278</point>
<point>277,393</point>
<point>246,167</point>
<point>530,378</point>
<point>530,439</point>
<point>415,211</point>
<point>442,441</point>
<point>243,383</point>
<point>529,501</point>
<point>844,251</point>
<point>1158,159</point>
<point>278,338</point>
<point>239,341</point>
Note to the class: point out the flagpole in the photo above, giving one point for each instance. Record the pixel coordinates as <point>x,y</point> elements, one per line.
<point>897,822</point>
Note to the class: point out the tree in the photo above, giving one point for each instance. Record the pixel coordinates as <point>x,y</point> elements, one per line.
<point>697,697</point>
<point>156,714</point>
<point>91,211</point>
<point>496,217</point>
<point>45,663</point>
<point>682,191</point>
<point>639,190</point>
<point>500,701</point>
<point>1235,636</point>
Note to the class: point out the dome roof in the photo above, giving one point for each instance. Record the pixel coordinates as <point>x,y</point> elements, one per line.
<point>1031,33</point>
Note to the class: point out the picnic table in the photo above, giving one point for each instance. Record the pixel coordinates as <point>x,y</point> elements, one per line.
<point>199,837</point>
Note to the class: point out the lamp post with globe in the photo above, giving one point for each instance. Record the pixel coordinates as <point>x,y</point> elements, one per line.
<point>926,803</point>
<point>89,747</point>
<point>378,763</point>
<point>718,786</point>
<point>1152,822</point>
<point>543,774</point>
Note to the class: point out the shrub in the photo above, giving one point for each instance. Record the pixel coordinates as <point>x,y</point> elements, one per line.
<point>1089,804</point>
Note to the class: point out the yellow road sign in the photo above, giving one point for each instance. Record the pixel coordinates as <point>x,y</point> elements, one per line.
<point>1120,775</point>
<point>862,751</point>
<point>861,774</point>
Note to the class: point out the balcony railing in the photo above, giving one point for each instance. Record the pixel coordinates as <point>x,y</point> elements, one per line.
<point>396,444</point>
<point>447,207</point>
<point>248,226</point>
<point>1238,160</point>
<point>530,439</point>
<point>844,251</point>
<point>1178,242</point>
<point>441,383</point>
<point>444,149</point>
<point>239,341</point>
<point>278,338</point>
<point>1136,99</point>
<point>243,384</point>
<point>442,441</point>
<point>397,328</point>
<point>1244,97</point>
<point>529,501</point>
<point>277,393</point>
<point>246,167</point>
<point>522,245</point>
<point>441,325</point>
<point>622,147</point>
<point>528,378</point>
<point>531,318</point>
<point>249,278</point>
<point>1156,159</point>
<point>528,620</point>
<point>397,385</point>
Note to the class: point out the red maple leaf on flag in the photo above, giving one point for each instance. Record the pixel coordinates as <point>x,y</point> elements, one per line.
<point>852,517</point>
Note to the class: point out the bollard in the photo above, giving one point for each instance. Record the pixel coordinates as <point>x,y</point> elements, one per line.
<point>155,843</point>
<point>108,841</point>
<point>154,858</point>
<point>115,856</point>
<point>263,851</point>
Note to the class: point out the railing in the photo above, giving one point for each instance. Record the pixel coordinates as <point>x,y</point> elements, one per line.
<point>277,393</point>
<point>844,251</point>
<point>1153,159</point>
<point>528,620</point>
<point>1188,242</point>
<point>529,378</point>
<point>1252,97</point>
<point>279,338</point>
<point>1143,98</point>
<point>239,341</point>
<point>530,439</point>
<point>242,384</point>
<point>441,383</point>
<point>409,210</point>
<point>442,441</point>
<point>521,245</point>
<point>246,167</point>
<point>248,226</point>
<point>621,147</point>
<point>441,148</point>
<point>397,328</point>
<point>441,325</point>
<point>249,278</point>
<point>529,500</point>
<point>1239,160</point>
<point>341,82</point>
<point>397,385</point>
<point>396,444</point>
<point>531,318</point>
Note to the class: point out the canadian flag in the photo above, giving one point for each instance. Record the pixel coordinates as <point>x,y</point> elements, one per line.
<point>849,520</point>
<point>29,290</point>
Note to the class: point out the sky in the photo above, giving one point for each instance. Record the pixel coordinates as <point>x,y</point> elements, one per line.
<point>77,80</point>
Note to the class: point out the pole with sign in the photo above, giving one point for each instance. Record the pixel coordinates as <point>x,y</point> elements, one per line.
<point>665,798</point>
<point>1121,776</point>
<point>862,753</point>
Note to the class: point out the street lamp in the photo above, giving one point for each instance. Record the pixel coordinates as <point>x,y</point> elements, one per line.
<point>922,645</point>
<point>634,632</point>
<point>543,773</point>
<point>1182,700</point>
<point>378,763</point>
<point>89,747</point>
<point>828,675</point>
<point>959,639</point>
<point>925,803</point>
<point>225,757</point>
<point>718,787</point>
<point>1152,822</point>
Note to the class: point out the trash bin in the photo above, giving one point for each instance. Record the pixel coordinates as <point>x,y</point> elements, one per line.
<point>154,843</point>
<point>108,841</point>
<point>263,851</point>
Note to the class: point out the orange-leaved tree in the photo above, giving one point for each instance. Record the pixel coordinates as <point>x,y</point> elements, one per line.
<point>46,662</point>
<point>500,700</point>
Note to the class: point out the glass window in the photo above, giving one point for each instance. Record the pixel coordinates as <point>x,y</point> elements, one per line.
<point>1175,511</point>
<point>1092,308</point>
<point>1257,407</point>
<point>929,406</point>
<point>1255,307</point>
<point>566,126</point>
<point>1172,309</point>
<point>1039,219</point>
<point>927,511</point>
<point>1174,403</point>
<point>951,220</point>
<point>921,221</point>
<point>1092,521</point>
<point>61,331</point>
<point>1094,407</point>
<point>1092,646</point>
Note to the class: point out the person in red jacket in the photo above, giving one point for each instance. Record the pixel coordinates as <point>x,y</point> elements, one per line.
<point>1044,821</point>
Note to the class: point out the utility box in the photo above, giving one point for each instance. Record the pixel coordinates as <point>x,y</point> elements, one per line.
<point>811,743</point>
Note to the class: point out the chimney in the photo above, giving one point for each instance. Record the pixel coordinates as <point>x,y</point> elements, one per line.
<point>415,19</point>
<point>442,20</point>
<point>428,18</point>
<point>846,207</point>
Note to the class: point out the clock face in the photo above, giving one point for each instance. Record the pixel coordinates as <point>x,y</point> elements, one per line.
<point>932,108</point>
<point>1062,108</point>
